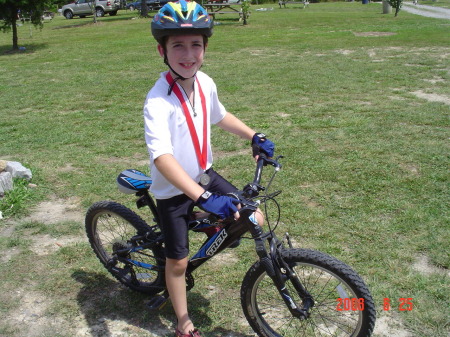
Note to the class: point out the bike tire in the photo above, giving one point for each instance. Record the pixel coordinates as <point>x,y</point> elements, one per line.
<point>326,279</point>
<point>110,226</point>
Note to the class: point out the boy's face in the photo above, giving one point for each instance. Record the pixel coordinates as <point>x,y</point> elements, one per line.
<point>184,53</point>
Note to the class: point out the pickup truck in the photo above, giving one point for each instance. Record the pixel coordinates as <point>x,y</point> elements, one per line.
<point>83,8</point>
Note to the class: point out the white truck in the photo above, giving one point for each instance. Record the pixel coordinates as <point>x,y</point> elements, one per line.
<point>83,8</point>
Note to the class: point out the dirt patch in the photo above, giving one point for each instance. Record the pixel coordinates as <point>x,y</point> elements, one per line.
<point>30,317</point>
<point>344,51</point>
<point>432,97</point>
<point>55,211</point>
<point>45,244</point>
<point>423,265</point>
<point>435,80</point>
<point>67,168</point>
<point>390,326</point>
<point>412,169</point>
<point>117,328</point>
<point>373,34</point>
<point>49,212</point>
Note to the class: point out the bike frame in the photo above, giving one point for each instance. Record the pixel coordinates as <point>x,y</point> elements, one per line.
<point>231,230</point>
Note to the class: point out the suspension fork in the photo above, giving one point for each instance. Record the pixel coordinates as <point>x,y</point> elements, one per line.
<point>274,270</point>
<point>285,272</point>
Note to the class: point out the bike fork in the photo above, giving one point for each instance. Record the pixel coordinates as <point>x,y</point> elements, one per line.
<point>279,271</point>
<point>285,272</point>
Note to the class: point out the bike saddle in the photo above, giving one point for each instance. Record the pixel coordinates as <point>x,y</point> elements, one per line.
<point>132,181</point>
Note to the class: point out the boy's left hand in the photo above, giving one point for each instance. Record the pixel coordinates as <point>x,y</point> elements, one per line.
<point>260,143</point>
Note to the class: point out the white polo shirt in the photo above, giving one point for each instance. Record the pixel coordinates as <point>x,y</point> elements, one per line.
<point>167,132</point>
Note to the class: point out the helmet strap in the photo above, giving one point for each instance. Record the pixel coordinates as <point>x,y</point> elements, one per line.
<point>178,76</point>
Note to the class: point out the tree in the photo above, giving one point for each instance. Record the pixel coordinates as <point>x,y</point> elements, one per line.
<point>144,9</point>
<point>245,9</point>
<point>397,4</point>
<point>10,10</point>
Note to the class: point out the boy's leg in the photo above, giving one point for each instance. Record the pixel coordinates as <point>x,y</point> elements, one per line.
<point>174,213</point>
<point>176,285</point>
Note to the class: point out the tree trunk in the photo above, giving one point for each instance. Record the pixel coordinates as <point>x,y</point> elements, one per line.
<point>144,9</point>
<point>14,29</point>
<point>94,12</point>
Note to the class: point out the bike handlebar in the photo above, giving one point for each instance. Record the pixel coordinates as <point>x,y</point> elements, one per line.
<point>262,161</point>
<point>253,189</point>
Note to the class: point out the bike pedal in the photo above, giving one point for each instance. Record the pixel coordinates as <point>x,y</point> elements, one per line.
<point>157,302</point>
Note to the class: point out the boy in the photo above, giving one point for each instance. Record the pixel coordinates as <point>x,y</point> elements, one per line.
<point>178,112</point>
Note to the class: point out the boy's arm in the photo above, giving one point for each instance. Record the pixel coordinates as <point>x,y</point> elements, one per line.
<point>177,176</point>
<point>222,206</point>
<point>260,143</point>
<point>234,125</point>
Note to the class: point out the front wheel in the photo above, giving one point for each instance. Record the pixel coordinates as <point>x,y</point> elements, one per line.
<point>327,280</point>
<point>109,227</point>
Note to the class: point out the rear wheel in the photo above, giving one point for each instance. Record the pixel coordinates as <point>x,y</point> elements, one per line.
<point>109,227</point>
<point>99,12</point>
<point>342,307</point>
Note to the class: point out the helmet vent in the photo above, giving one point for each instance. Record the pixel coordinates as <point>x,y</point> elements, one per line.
<point>184,14</point>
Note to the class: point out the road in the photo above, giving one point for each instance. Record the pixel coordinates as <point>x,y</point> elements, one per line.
<point>429,11</point>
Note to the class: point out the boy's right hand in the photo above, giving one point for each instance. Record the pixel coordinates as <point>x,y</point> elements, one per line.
<point>220,205</point>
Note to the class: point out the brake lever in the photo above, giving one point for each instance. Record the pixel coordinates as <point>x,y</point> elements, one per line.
<point>273,162</point>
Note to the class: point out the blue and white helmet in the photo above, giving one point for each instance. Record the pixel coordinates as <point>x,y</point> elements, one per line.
<point>181,18</point>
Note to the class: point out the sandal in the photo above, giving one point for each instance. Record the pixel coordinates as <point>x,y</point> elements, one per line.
<point>194,333</point>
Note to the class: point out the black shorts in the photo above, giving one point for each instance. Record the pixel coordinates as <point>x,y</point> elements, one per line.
<point>175,215</point>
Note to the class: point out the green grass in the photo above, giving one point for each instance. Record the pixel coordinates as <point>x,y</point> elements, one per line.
<point>15,200</point>
<point>366,160</point>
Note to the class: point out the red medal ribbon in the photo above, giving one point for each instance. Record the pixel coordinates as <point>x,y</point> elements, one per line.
<point>201,153</point>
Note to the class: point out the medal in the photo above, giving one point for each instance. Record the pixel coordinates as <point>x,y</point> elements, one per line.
<point>204,179</point>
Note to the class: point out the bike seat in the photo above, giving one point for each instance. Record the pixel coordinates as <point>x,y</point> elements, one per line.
<point>132,181</point>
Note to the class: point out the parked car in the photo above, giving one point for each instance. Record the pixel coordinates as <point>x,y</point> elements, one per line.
<point>83,8</point>
<point>151,4</point>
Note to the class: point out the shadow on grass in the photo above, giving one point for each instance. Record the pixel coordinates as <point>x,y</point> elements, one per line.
<point>105,304</point>
<point>219,19</point>
<point>6,50</point>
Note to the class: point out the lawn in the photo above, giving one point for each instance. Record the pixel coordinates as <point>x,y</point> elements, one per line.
<point>356,101</point>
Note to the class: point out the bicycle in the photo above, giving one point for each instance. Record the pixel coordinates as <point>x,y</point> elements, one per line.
<point>288,292</point>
